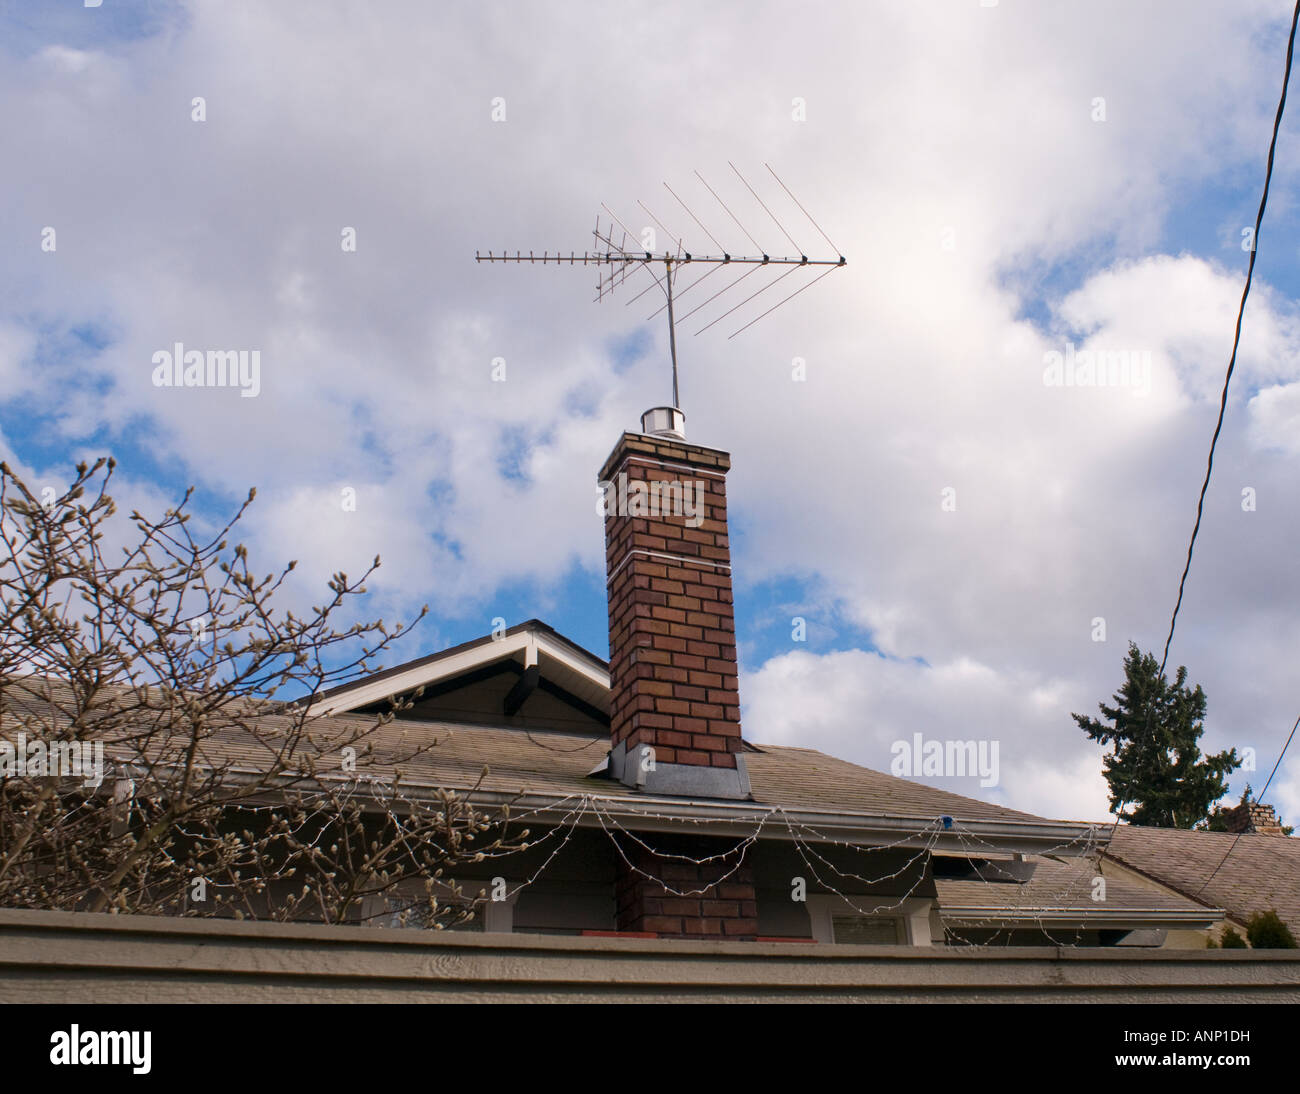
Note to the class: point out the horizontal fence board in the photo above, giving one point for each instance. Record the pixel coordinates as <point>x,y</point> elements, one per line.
<point>80,957</point>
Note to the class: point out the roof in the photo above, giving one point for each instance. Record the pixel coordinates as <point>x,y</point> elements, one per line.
<point>546,774</point>
<point>1060,893</point>
<point>1259,872</point>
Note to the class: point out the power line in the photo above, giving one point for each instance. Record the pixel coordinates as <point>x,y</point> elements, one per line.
<point>1227,380</point>
<point>1250,269</point>
<point>1236,338</point>
<point>1259,799</point>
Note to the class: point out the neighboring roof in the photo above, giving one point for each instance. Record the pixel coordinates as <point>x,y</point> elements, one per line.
<point>1259,872</point>
<point>579,671</point>
<point>1060,893</point>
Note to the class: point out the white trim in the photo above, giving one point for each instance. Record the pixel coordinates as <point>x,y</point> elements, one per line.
<point>972,918</point>
<point>665,464</point>
<point>660,554</point>
<point>526,644</point>
<point>913,913</point>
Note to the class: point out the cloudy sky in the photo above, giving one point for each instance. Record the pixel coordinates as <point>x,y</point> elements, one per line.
<point>1008,180</point>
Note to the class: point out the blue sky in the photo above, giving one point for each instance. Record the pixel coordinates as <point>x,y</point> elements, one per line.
<point>923,124</point>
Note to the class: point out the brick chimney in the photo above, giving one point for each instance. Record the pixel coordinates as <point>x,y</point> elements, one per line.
<point>674,705</point>
<point>1254,818</point>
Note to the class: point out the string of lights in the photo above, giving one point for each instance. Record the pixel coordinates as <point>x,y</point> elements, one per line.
<point>808,841</point>
<point>934,829</point>
<point>743,847</point>
<point>851,899</point>
<point>1019,904</point>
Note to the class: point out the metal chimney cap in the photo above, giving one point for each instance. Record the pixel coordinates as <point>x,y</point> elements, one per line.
<point>664,421</point>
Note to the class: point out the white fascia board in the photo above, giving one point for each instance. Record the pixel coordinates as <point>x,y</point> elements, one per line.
<point>588,670</point>
<point>466,661</point>
<point>1118,919</point>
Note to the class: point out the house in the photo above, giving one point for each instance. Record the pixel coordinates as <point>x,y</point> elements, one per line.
<point>648,811</point>
<point>658,817</point>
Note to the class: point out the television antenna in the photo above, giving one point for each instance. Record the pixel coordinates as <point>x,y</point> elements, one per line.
<point>616,247</point>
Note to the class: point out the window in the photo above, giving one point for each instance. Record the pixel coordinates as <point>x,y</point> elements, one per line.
<point>407,905</point>
<point>862,930</point>
<point>416,913</point>
<point>851,921</point>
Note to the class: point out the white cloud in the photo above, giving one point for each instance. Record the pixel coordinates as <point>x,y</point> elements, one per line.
<point>1275,418</point>
<point>856,705</point>
<point>923,372</point>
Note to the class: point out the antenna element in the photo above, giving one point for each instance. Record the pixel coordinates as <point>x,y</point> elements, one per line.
<point>619,253</point>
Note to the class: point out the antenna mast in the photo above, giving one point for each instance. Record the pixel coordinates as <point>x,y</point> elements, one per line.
<point>621,255</point>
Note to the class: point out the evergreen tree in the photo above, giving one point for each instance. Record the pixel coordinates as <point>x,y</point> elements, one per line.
<point>1157,767</point>
<point>1219,816</point>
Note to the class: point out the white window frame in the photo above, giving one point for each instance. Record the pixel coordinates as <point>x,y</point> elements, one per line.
<point>913,911</point>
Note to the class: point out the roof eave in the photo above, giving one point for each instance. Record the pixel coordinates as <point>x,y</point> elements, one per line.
<point>971,917</point>
<point>725,818</point>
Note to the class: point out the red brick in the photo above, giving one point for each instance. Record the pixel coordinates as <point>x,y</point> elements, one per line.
<point>706,710</point>
<point>662,924</point>
<point>704,926</point>
<point>738,926</point>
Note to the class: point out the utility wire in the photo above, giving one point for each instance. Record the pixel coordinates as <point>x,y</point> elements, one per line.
<point>1223,399</point>
<point>1250,269</point>
<point>1262,793</point>
<point>1236,338</point>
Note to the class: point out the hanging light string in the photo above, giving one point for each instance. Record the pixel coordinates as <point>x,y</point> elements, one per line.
<point>805,849</point>
<point>574,817</point>
<point>1020,904</point>
<point>803,837</point>
<point>851,899</point>
<point>742,847</point>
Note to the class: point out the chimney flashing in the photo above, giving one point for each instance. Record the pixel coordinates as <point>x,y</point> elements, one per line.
<point>671,780</point>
